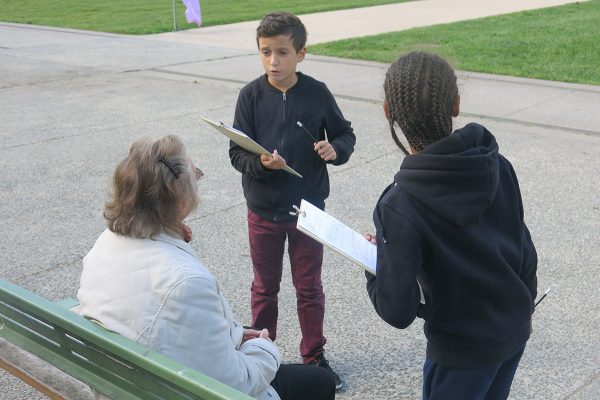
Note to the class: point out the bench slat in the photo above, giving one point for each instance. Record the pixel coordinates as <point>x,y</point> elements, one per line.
<point>107,351</point>
<point>25,320</point>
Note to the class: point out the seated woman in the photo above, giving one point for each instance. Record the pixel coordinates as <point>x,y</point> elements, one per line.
<point>142,280</point>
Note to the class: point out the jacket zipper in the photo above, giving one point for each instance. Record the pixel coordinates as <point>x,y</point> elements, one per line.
<point>283,123</point>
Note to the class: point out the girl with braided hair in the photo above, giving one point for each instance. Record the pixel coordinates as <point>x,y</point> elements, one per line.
<point>452,245</point>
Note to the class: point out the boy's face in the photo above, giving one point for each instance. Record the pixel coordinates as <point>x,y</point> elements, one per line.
<point>279,59</point>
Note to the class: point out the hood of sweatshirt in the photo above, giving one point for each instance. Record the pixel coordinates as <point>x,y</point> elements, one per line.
<point>456,177</point>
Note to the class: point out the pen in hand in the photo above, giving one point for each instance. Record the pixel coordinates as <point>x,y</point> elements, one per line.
<point>323,148</point>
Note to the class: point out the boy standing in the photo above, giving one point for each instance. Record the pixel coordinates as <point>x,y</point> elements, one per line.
<point>297,118</point>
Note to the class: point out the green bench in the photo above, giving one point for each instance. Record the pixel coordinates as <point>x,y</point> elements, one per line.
<point>114,365</point>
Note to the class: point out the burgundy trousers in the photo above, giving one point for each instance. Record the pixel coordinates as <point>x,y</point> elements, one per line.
<point>267,245</point>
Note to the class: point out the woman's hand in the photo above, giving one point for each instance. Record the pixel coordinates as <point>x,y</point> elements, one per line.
<point>253,334</point>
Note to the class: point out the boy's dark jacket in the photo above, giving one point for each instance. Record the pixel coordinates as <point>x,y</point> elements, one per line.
<point>270,117</point>
<point>453,220</point>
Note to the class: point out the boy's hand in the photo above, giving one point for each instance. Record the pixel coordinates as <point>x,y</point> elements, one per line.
<point>325,150</point>
<point>272,161</point>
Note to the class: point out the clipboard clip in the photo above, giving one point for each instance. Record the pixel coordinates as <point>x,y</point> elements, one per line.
<point>297,211</point>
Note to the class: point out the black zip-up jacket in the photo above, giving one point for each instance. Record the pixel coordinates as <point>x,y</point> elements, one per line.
<point>270,117</point>
<point>453,221</point>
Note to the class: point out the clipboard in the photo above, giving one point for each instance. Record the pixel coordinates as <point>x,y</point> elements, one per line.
<point>244,141</point>
<point>324,228</point>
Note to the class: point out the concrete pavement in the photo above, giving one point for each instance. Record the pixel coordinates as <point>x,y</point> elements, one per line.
<point>343,24</point>
<point>72,101</point>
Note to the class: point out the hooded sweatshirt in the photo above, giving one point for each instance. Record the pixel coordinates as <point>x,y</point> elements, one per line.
<point>452,225</point>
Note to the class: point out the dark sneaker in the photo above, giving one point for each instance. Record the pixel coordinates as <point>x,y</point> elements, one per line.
<point>323,363</point>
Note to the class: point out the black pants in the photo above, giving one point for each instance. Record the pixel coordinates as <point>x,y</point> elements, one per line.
<point>304,382</point>
<point>488,383</point>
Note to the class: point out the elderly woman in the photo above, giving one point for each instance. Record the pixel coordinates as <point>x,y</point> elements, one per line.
<point>144,281</point>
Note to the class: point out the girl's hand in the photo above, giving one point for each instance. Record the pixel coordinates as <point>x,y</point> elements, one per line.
<point>325,150</point>
<point>371,238</point>
<point>272,161</point>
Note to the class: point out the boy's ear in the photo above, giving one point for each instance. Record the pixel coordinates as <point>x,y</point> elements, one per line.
<point>386,109</point>
<point>301,54</point>
<point>456,106</point>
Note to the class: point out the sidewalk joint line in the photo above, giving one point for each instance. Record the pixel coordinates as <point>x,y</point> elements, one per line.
<point>62,30</point>
<point>375,101</point>
<point>191,75</point>
<point>534,124</point>
<point>159,67</point>
<point>595,378</point>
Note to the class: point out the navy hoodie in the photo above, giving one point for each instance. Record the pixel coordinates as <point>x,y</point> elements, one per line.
<point>452,226</point>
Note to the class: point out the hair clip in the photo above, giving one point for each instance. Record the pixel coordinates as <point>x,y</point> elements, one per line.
<point>169,165</point>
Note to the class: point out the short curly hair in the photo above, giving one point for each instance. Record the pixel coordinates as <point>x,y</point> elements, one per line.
<point>420,91</point>
<point>153,189</point>
<point>283,23</point>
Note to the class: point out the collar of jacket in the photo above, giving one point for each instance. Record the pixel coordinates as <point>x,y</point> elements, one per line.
<point>166,238</point>
<point>264,81</point>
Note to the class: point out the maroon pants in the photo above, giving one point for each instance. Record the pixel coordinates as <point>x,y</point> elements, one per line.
<point>267,244</point>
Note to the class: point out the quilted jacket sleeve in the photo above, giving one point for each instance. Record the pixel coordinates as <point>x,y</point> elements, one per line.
<point>194,327</point>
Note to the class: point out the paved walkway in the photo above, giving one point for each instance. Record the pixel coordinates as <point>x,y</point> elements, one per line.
<point>71,102</point>
<point>344,24</point>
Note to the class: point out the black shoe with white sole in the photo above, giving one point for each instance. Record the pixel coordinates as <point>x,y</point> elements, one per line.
<point>322,362</point>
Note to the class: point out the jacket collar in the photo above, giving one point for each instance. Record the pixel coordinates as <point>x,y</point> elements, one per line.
<point>264,81</point>
<point>166,238</point>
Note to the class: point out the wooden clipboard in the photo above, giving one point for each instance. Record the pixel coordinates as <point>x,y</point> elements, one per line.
<point>244,141</point>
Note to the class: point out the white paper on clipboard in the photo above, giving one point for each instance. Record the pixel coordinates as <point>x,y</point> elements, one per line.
<point>324,228</point>
<point>244,141</point>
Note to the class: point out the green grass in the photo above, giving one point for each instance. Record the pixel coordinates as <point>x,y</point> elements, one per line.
<point>559,43</point>
<point>153,16</point>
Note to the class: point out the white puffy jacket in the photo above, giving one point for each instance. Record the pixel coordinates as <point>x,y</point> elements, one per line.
<point>158,293</point>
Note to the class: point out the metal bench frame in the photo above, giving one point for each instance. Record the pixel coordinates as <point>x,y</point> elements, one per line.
<point>114,365</point>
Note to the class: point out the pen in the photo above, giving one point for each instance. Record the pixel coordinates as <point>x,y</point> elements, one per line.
<point>306,131</point>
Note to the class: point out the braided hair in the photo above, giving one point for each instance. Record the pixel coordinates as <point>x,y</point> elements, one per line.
<point>420,90</point>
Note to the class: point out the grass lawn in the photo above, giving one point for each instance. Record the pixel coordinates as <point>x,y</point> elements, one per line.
<point>560,43</point>
<point>153,16</point>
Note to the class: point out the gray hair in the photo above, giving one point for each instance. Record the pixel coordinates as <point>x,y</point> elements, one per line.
<point>153,189</point>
